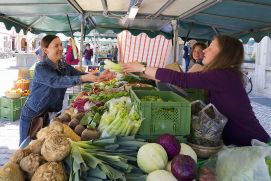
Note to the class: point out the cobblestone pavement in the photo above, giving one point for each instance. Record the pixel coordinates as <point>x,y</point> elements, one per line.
<point>263,113</point>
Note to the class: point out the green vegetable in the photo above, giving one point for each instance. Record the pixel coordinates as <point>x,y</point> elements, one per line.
<point>151,98</point>
<point>104,159</point>
<point>112,66</point>
<point>151,157</point>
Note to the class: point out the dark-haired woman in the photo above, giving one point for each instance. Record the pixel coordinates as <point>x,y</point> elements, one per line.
<point>222,77</point>
<point>51,79</point>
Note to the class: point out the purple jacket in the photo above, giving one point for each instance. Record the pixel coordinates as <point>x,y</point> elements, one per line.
<point>228,95</point>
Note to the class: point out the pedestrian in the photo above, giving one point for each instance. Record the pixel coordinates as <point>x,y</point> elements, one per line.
<point>88,54</point>
<point>222,77</point>
<point>38,53</point>
<point>72,53</point>
<point>51,79</point>
<point>186,55</point>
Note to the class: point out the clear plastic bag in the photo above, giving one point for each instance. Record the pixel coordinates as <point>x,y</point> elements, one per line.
<point>244,163</point>
<point>238,164</point>
<point>207,126</point>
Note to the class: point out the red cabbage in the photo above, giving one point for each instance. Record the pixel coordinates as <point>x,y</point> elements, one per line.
<point>183,167</point>
<point>170,144</point>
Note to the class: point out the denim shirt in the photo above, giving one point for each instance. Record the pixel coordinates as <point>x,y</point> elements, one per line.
<point>49,85</point>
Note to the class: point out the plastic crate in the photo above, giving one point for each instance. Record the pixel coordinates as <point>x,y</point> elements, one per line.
<point>173,115</point>
<point>23,99</point>
<point>195,94</point>
<point>144,88</point>
<point>10,103</point>
<point>10,114</point>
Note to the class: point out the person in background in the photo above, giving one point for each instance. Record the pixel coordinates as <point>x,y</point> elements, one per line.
<point>51,79</point>
<point>88,54</point>
<point>38,53</point>
<point>186,55</point>
<point>196,57</point>
<point>72,53</point>
<point>222,77</point>
<point>115,53</point>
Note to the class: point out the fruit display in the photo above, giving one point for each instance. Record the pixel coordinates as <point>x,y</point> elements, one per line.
<point>22,84</point>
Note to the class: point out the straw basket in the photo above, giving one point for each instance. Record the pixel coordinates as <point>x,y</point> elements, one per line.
<point>12,95</point>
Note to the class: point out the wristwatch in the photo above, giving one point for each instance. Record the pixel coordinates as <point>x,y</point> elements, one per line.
<point>144,68</point>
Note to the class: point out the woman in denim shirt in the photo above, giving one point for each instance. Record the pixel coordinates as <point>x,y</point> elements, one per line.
<point>51,79</point>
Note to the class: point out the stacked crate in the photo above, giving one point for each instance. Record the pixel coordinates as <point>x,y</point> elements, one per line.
<point>10,109</point>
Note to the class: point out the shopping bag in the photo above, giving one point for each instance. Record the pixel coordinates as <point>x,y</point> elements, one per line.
<point>207,126</point>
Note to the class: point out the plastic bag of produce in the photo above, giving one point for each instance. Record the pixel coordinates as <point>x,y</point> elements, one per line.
<point>207,125</point>
<point>244,163</point>
<point>249,163</point>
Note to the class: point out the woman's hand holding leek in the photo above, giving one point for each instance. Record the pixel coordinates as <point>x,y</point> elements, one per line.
<point>133,67</point>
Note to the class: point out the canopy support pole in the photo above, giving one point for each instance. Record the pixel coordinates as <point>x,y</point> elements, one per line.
<point>81,46</point>
<point>175,40</point>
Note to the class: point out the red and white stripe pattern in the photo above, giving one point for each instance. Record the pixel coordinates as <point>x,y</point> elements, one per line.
<point>156,52</point>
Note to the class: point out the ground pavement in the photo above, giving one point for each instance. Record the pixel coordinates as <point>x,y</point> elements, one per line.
<point>9,131</point>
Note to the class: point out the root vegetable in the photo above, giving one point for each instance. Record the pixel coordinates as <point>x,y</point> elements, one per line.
<point>19,154</point>
<point>70,133</point>
<point>55,148</point>
<point>45,133</point>
<point>65,117</point>
<point>79,129</point>
<point>77,116</point>
<point>57,119</point>
<point>89,134</point>
<point>56,126</point>
<point>31,162</point>
<point>11,172</point>
<point>35,145</point>
<point>74,123</point>
<point>50,171</point>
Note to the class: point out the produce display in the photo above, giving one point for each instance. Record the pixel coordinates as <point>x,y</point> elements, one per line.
<point>96,138</point>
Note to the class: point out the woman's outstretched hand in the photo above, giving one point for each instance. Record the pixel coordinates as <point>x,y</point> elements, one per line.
<point>107,75</point>
<point>132,67</point>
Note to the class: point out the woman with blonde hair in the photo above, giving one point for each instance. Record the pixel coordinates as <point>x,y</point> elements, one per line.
<point>222,77</point>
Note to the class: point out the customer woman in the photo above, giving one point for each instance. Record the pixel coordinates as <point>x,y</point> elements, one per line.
<point>196,57</point>
<point>51,79</point>
<point>223,78</point>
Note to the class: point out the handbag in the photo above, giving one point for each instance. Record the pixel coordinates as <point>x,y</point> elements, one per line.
<point>37,123</point>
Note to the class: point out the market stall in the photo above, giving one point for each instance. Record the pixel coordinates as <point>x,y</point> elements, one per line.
<point>199,19</point>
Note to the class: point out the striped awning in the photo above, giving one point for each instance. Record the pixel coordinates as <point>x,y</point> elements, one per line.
<point>156,52</point>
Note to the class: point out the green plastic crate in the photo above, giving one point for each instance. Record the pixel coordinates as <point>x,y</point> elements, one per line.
<point>10,114</point>
<point>10,103</point>
<point>171,116</point>
<point>195,94</point>
<point>144,88</point>
<point>23,99</point>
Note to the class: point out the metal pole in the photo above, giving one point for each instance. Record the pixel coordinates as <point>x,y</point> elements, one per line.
<point>175,40</point>
<point>81,46</point>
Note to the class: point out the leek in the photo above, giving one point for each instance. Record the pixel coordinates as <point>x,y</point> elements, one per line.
<point>114,67</point>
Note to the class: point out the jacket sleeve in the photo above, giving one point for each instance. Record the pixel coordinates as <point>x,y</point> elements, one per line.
<point>212,80</point>
<point>48,76</point>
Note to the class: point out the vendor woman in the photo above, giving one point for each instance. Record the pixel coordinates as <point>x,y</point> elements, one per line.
<point>51,79</point>
<point>222,77</point>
